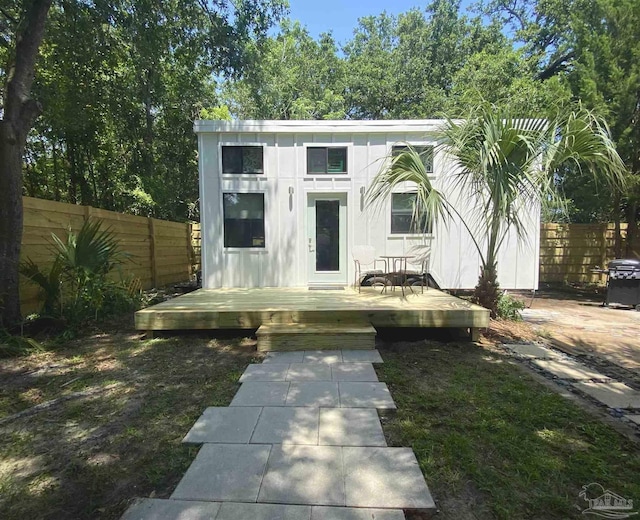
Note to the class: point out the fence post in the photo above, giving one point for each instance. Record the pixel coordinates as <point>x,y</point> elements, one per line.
<point>190,255</point>
<point>152,252</point>
<point>88,210</point>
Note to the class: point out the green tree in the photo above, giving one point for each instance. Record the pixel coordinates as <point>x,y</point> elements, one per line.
<point>292,77</point>
<point>507,164</point>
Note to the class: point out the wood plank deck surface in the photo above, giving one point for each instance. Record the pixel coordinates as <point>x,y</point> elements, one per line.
<point>250,308</point>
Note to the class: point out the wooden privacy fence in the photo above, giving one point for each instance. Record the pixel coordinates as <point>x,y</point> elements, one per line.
<point>568,252</point>
<point>160,251</point>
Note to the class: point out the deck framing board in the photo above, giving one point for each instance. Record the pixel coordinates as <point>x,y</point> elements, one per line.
<point>250,308</point>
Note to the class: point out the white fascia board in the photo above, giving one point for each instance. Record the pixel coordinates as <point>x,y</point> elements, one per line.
<point>316,126</point>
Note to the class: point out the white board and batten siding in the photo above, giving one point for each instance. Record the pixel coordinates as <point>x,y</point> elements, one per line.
<point>290,192</point>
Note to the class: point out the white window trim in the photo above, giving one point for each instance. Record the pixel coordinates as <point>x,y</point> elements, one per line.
<point>350,164</point>
<point>412,236</point>
<point>432,173</point>
<point>267,231</point>
<point>247,176</point>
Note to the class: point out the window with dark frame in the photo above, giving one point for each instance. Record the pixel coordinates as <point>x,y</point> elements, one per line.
<point>243,219</point>
<point>424,151</point>
<point>326,159</point>
<point>402,221</point>
<point>242,159</point>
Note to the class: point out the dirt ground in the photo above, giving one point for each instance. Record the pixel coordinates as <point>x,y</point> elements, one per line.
<point>577,323</point>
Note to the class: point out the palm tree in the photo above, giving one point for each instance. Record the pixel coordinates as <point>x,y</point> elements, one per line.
<point>508,165</point>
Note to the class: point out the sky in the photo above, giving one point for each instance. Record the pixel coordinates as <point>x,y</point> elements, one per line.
<point>341,16</point>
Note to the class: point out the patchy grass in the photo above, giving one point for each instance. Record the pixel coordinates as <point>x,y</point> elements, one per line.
<point>494,443</point>
<point>117,436</point>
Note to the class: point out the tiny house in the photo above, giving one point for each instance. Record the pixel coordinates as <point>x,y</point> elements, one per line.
<point>282,204</point>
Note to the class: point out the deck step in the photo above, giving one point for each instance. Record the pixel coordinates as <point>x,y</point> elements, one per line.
<point>315,336</point>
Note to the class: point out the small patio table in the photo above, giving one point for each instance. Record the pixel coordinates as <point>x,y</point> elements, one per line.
<point>391,275</point>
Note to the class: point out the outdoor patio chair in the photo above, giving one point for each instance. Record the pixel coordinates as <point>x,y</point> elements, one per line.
<point>364,258</point>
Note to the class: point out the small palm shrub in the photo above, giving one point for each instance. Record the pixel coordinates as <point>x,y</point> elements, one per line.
<point>79,284</point>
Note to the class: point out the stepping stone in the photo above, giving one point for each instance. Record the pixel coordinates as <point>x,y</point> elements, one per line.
<point>568,369</point>
<point>350,427</point>
<point>309,372</point>
<point>353,513</point>
<point>261,394</point>
<point>287,425</point>
<point>304,475</point>
<point>322,356</point>
<point>224,425</point>
<point>239,511</point>
<point>532,351</point>
<point>159,509</point>
<point>361,356</point>
<point>614,394</point>
<point>228,472</point>
<point>353,372</point>
<point>384,477</point>
<point>314,394</point>
<point>284,357</point>
<point>365,395</point>
<point>634,418</point>
<point>268,372</point>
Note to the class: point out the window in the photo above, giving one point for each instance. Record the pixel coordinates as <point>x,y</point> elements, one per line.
<point>425,153</point>
<point>242,159</point>
<point>402,221</point>
<point>243,219</point>
<point>326,160</point>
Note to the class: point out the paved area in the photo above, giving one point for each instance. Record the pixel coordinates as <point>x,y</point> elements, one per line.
<point>621,399</point>
<point>301,440</point>
<point>580,325</point>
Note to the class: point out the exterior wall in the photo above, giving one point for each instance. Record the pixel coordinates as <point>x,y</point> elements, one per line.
<point>454,262</point>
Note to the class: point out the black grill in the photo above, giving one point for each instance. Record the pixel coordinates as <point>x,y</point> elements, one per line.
<point>623,286</point>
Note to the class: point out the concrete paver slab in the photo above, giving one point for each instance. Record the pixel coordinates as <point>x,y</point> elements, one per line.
<point>228,472</point>
<point>350,427</point>
<point>313,393</point>
<point>159,509</point>
<point>287,425</point>
<point>384,477</point>
<point>304,475</point>
<point>239,511</point>
<point>634,418</point>
<point>568,369</point>
<point>532,351</point>
<point>284,357</point>
<point>268,372</point>
<point>309,372</point>
<point>224,425</point>
<point>613,394</point>
<point>322,356</point>
<point>365,395</point>
<point>272,393</point>
<point>353,372</point>
<point>354,513</point>
<point>361,356</point>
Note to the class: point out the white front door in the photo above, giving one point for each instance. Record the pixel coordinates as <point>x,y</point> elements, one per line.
<point>327,238</point>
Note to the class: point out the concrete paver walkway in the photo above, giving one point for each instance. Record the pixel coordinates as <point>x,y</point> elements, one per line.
<point>301,440</point>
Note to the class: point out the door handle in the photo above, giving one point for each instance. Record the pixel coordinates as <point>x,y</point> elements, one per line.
<point>311,245</point>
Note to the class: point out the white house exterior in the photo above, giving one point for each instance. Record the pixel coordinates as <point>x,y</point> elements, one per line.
<point>282,205</point>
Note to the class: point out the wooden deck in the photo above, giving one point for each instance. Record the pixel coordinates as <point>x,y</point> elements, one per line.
<point>250,308</point>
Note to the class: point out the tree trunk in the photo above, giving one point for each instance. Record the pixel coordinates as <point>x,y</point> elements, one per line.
<point>487,292</point>
<point>19,114</point>
<point>10,223</point>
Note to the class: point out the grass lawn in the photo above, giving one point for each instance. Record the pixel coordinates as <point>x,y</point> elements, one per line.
<point>493,442</point>
<point>86,457</point>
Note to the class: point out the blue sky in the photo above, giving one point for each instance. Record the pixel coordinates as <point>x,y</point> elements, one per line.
<point>341,16</point>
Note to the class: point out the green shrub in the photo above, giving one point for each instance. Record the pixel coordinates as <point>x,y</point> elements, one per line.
<point>509,307</point>
<point>79,285</point>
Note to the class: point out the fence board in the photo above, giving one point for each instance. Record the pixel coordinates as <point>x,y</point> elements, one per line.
<point>171,246</point>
